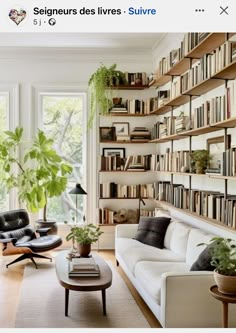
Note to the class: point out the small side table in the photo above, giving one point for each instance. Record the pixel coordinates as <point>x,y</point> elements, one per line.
<point>225,299</point>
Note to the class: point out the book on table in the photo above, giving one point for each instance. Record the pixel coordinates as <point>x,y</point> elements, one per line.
<point>83,267</point>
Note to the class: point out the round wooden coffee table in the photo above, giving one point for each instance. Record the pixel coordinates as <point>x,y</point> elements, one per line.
<point>102,282</point>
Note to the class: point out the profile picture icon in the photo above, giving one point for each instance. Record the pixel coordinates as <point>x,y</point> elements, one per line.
<point>17,15</point>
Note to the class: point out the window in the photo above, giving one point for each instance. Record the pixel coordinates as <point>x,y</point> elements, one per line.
<point>4,125</point>
<point>63,119</point>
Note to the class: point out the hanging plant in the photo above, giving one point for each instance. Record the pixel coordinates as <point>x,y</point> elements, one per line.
<point>100,95</point>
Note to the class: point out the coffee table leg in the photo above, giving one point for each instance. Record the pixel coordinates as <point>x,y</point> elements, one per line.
<point>66,301</point>
<point>104,301</point>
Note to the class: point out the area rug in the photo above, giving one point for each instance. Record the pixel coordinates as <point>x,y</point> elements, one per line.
<point>42,303</point>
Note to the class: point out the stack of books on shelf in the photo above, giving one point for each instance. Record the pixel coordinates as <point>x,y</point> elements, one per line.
<point>170,125</point>
<point>120,107</point>
<point>113,190</point>
<point>83,267</point>
<point>108,216</point>
<point>140,134</point>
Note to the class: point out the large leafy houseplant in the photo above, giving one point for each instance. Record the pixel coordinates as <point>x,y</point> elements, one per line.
<point>100,95</point>
<point>39,175</point>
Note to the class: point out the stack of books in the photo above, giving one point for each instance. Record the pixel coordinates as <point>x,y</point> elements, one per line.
<point>140,134</point>
<point>83,267</point>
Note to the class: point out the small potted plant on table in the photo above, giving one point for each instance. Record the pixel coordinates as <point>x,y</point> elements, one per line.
<point>223,258</point>
<point>84,235</point>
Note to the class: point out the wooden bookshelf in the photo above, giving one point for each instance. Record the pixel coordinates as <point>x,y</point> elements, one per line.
<point>129,87</point>
<point>124,142</point>
<point>123,114</point>
<point>123,171</point>
<point>123,198</point>
<point>161,81</point>
<point>177,101</point>
<point>228,123</point>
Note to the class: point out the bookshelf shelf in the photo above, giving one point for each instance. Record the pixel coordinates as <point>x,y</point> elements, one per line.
<point>123,198</point>
<point>116,114</point>
<point>228,123</point>
<point>161,81</point>
<point>130,87</point>
<point>124,142</point>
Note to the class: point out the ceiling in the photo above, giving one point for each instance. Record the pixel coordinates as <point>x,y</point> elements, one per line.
<point>111,41</point>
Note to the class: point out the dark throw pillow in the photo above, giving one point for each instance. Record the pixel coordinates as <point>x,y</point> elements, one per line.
<point>203,262</point>
<point>152,230</point>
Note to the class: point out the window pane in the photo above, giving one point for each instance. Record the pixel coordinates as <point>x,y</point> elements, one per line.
<point>63,121</point>
<point>4,196</point>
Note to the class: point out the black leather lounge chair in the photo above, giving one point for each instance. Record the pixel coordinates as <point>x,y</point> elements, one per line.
<point>18,237</point>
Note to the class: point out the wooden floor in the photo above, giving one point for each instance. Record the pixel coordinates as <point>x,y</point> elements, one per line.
<point>11,279</point>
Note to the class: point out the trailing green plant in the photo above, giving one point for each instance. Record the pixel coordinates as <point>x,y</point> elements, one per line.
<point>200,160</point>
<point>100,95</point>
<point>86,234</point>
<point>223,255</point>
<point>39,175</point>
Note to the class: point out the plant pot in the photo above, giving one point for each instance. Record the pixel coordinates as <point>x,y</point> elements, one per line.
<point>226,283</point>
<point>50,223</point>
<point>84,249</point>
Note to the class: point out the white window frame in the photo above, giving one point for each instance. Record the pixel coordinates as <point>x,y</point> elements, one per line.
<point>12,91</point>
<point>37,91</point>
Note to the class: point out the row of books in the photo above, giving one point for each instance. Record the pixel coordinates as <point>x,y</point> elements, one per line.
<point>170,125</point>
<point>177,161</point>
<point>83,267</point>
<point>209,65</point>
<point>189,41</point>
<point>211,204</point>
<point>135,106</point>
<point>114,190</point>
<point>140,133</point>
<point>109,216</point>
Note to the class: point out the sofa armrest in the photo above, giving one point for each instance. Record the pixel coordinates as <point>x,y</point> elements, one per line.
<point>126,230</point>
<point>187,296</point>
<point>8,240</point>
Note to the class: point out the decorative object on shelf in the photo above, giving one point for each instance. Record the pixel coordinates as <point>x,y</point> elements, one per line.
<point>223,257</point>
<point>216,146</point>
<point>201,159</point>
<point>113,152</point>
<point>125,216</point>
<point>121,129</point>
<point>77,190</point>
<point>45,179</point>
<point>84,235</point>
<point>107,134</point>
<point>100,95</point>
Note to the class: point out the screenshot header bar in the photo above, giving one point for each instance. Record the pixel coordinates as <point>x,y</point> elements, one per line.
<point>119,16</point>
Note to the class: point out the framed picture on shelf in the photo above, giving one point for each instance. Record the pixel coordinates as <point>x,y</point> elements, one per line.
<point>113,152</point>
<point>122,129</point>
<point>107,134</point>
<point>216,147</point>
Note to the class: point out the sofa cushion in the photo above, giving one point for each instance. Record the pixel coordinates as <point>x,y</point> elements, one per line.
<point>133,251</point>
<point>151,230</point>
<point>203,262</point>
<point>179,238</point>
<point>148,274</point>
<point>196,236</point>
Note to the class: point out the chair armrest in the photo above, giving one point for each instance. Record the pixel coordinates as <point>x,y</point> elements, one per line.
<point>126,230</point>
<point>187,295</point>
<point>8,240</point>
<point>43,231</point>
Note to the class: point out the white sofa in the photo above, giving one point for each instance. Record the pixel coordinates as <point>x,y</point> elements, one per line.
<point>177,296</point>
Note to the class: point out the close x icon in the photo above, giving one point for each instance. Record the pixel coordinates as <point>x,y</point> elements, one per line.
<point>224,10</point>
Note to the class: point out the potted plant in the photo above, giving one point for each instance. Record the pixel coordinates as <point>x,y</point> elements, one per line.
<point>223,258</point>
<point>40,174</point>
<point>100,95</point>
<point>84,235</point>
<point>200,159</point>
